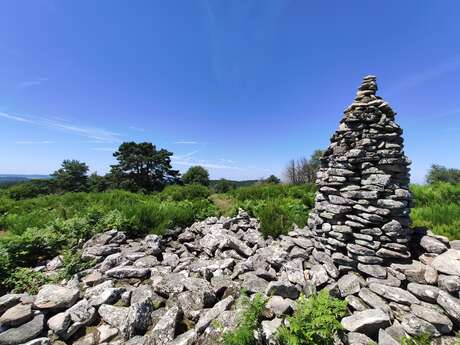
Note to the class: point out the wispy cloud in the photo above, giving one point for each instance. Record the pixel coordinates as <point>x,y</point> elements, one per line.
<point>186,142</point>
<point>137,129</point>
<point>34,142</point>
<point>187,159</point>
<point>435,71</point>
<point>98,134</point>
<point>33,82</point>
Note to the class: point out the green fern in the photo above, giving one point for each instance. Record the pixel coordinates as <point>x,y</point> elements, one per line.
<point>249,321</point>
<point>315,321</point>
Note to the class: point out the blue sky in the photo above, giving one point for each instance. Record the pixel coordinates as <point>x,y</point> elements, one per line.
<point>240,87</point>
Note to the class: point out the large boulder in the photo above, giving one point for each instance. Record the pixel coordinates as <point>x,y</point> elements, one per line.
<point>56,297</point>
<point>368,321</point>
<point>448,262</point>
<point>28,331</point>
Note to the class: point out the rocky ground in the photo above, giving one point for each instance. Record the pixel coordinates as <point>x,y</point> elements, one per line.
<point>182,288</point>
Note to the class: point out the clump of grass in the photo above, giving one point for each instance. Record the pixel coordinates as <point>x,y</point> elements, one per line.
<point>315,321</point>
<point>250,319</point>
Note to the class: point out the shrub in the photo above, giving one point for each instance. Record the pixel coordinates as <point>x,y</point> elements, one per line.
<point>31,189</point>
<point>274,220</point>
<point>223,186</point>
<point>196,175</point>
<point>442,219</point>
<point>187,192</point>
<point>26,280</point>
<point>249,321</point>
<point>73,263</point>
<point>315,321</point>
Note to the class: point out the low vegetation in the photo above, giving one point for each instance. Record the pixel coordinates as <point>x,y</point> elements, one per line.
<point>316,321</point>
<point>249,321</point>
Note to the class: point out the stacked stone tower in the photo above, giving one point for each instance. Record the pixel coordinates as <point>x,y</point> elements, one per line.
<point>361,214</point>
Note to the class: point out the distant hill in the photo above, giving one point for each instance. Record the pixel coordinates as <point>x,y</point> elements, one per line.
<point>10,179</point>
<point>237,183</point>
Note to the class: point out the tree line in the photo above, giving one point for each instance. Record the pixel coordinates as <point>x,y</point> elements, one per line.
<point>142,168</point>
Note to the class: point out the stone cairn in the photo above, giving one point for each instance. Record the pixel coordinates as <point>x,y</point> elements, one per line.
<point>361,215</point>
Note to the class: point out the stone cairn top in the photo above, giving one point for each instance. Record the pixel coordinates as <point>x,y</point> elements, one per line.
<point>361,214</point>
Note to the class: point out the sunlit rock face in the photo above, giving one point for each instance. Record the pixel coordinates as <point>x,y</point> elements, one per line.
<point>361,214</point>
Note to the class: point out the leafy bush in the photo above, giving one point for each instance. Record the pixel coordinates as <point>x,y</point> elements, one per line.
<point>249,321</point>
<point>442,219</point>
<point>31,189</point>
<point>277,216</point>
<point>274,220</point>
<point>196,175</point>
<point>439,193</point>
<point>187,192</point>
<point>315,321</point>
<point>26,280</point>
<point>73,263</point>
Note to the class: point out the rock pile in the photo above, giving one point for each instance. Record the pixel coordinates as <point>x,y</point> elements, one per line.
<point>361,214</point>
<point>181,289</point>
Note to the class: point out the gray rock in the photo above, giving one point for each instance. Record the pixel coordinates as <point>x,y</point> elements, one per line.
<point>374,300</point>
<point>39,341</point>
<point>354,338</point>
<point>210,314</point>
<point>164,331</point>
<point>416,326</point>
<point>318,275</point>
<point>367,321</point>
<point>451,305</point>
<point>394,294</point>
<point>283,289</point>
<point>432,245</point>
<point>426,293</point>
<point>356,303</point>
<point>9,300</point>
<point>449,283</point>
<point>279,306</point>
<point>187,338</point>
<point>253,283</point>
<point>17,315</point>
<point>269,330</point>
<point>168,284</point>
<point>392,335</point>
<point>114,316</point>
<point>448,262</point>
<point>431,315</point>
<point>376,271</point>
<point>153,244</point>
<point>23,333</point>
<point>128,272</point>
<point>67,323</point>
<point>56,297</point>
<point>106,333</point>
<point>350,284</point>
<point>138,319</point>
